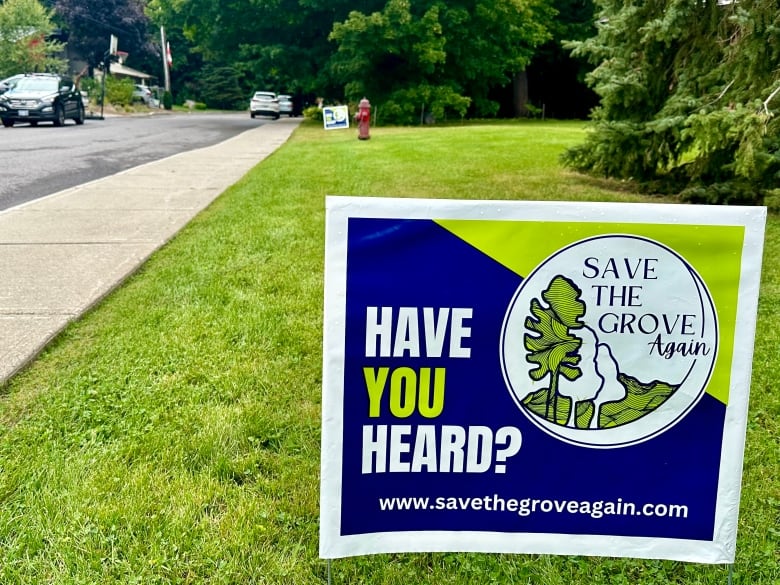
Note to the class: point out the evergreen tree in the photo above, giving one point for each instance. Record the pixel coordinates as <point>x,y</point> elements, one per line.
<point>688,95</point>
<point>221,89</point>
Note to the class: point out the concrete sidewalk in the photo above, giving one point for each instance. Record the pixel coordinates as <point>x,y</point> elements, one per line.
<point>62,254</point>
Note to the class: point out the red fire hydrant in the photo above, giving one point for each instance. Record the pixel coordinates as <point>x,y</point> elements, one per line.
<point>363,117</point>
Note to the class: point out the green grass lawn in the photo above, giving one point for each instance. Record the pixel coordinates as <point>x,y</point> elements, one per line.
<point>172,434</point>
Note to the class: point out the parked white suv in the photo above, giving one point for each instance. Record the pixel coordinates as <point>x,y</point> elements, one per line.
<point>264,103</point>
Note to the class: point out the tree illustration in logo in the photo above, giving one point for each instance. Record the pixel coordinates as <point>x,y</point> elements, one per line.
<point>583,386</point>
<point>551,345</point>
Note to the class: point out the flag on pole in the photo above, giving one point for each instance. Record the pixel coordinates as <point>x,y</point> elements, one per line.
<point>168,56</point>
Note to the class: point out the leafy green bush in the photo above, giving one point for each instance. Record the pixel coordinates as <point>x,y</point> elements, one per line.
<point>168,100</point>
<point>119,92</point>
<point>430,102</point>
<point>484,108</point>
<point>314,113</point>
<point>91,87</point>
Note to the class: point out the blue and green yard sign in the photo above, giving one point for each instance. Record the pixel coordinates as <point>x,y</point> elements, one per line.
<point>335,117</point>
<point>536,377</point>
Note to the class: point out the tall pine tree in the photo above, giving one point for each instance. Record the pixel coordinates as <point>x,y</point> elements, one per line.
<point>689,93</point>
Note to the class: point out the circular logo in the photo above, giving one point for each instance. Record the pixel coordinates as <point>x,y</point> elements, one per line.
<point>609,342</point>
<point>339,114</point>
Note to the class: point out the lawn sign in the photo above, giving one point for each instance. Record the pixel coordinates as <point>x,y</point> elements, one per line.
<point>549,378</point>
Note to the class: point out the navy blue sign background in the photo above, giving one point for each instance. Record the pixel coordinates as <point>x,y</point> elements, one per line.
<point>417,263</point>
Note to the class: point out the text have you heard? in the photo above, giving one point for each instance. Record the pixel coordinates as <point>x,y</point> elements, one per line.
<point>406,333</point>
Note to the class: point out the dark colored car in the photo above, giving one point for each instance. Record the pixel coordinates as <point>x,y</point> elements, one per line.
<point>39,97</point>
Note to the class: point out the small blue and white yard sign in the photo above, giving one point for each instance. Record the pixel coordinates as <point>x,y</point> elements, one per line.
<point>335,117</point>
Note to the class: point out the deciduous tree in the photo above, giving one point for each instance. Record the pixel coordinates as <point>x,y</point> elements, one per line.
<point>443,56</point>
<point>25,26</point>
<point>91,23</point>
<point>410,57</point>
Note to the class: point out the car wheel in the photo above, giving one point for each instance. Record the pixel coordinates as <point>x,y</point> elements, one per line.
<point>59,115</point>
<point>79,119</point>
<point>33,123</point>
<point>8,123</point>
<point>252,116</point>
<point>276,117</point>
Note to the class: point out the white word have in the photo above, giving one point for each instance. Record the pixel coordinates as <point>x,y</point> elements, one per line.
<point>414,332</point>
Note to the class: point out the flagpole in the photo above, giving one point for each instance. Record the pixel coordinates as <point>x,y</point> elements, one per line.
<point>165,60</point>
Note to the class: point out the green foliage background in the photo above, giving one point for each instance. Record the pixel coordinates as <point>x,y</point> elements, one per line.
<point>688,90</point>
<point>407,56</point>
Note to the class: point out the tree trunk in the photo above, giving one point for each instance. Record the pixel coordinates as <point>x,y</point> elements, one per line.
<point>520,94</point>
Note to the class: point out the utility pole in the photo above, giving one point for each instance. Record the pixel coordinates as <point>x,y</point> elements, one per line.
<point>108,57</point>
<point>165,59</point>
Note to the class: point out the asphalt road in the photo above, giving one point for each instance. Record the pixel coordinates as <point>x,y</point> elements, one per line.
<point>37,161</point>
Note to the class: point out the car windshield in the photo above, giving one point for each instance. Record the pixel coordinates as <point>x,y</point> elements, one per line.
<point>10,82</point>
<point>264,96</point>
<point>38,84</point>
